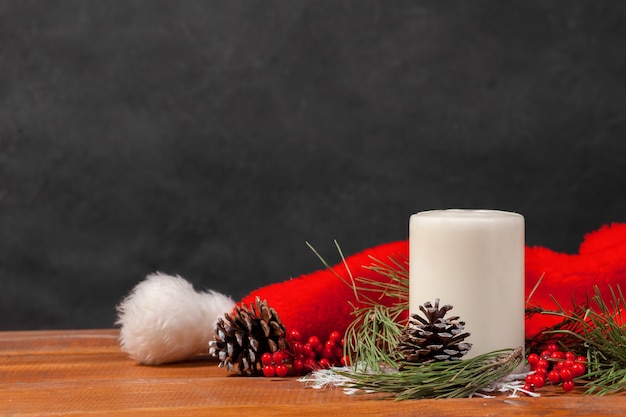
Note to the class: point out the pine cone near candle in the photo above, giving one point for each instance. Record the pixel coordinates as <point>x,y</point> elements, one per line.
<point>241,338</point>
<point>434,338</point>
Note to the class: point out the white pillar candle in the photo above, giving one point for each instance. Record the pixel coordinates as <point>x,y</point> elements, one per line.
<point>473,260</point>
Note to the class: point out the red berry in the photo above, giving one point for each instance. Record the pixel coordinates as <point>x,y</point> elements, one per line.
<point>581,359</point>
<point>566,375</point>
<point>568,386</point>
<point>338,352</point>
<point>530,378</point>
<point>308,351</point>
<point>557,355</point>
<point>279,356</point>
<point>552,347</point>
<point>529,388</point>
<point>570,355</point>
<point>297,365</point>
<point>541,371</point>
<point>335,336</point>
<point>295,336</point>
<point>269,370</point>
<point>553,377</point>
<point>578,369</point>
<point>545,354</point>
<point>533,358</point>
<point>266,358</point>
<point>330,344</point>
<point>346,361</point>
<point>310,364</point>
<point>281,370</point>
<point>539,381</point>
<point>328,352</point>
<point>313,341</point>
<point>543,363</point>
<point>324,363</point>
<point>297,347</point>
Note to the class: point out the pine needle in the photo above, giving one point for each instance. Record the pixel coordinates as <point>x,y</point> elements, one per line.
<point>371,336</point>
<point>446,379</point>
<point>376,328</point>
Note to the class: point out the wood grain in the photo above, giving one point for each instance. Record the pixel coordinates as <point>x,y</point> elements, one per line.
<point>83,372</point>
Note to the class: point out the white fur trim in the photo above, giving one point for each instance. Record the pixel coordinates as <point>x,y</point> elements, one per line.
<point>164,319</point>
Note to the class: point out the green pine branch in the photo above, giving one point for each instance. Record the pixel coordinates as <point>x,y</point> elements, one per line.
<point>598,327</point>
<point>445,379</point>
<point>371,338</point>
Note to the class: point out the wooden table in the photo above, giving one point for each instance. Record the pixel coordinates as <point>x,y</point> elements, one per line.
<point>83,372</point>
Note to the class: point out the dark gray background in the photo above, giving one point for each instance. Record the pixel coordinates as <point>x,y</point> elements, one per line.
<point>213,138</point>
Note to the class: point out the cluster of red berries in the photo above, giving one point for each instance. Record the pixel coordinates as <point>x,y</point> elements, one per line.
<point>274,364</point>
<point>556,367</point>
<point>305,357</point>
<point>314,354</point>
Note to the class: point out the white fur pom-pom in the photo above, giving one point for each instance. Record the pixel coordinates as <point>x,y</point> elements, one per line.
<point>164,319</point>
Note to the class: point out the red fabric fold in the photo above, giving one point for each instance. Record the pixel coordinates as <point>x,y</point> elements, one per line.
<point>321,302</point>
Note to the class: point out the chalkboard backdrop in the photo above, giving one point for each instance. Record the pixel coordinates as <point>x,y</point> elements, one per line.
<point>211,139</point>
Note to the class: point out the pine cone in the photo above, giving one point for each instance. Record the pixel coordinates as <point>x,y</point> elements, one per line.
<point>242,338</point>
<point>435,338</point>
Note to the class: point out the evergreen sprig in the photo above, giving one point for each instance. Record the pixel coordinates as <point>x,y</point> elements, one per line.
<point>599,327</point>
<point>446,379</point>
<point>374,334</point>
<point>372,337</point>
